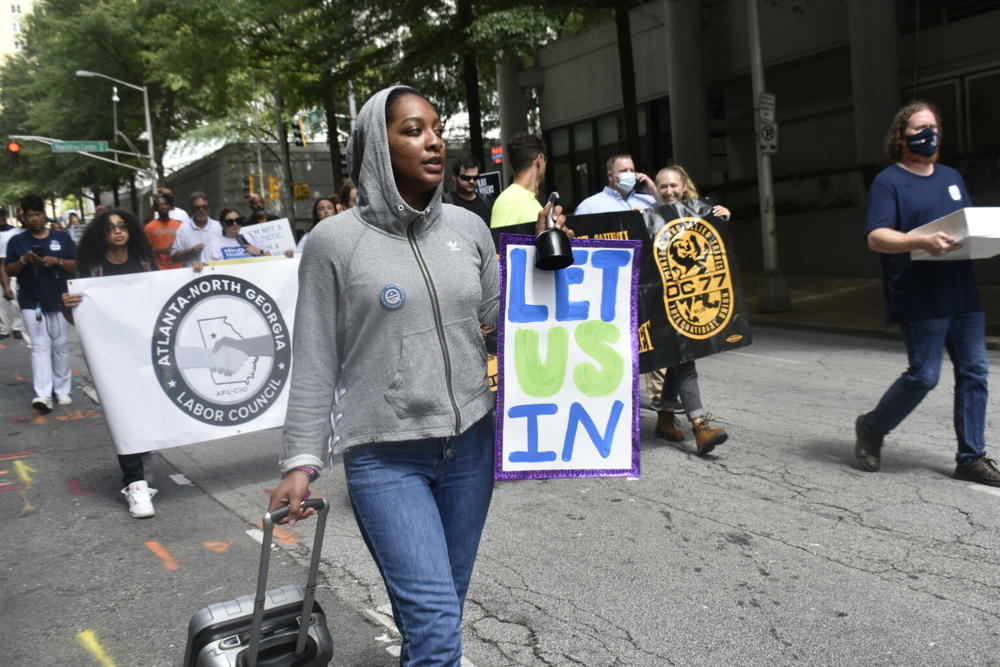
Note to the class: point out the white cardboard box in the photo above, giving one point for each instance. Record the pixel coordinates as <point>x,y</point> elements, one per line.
<point>977,228</point>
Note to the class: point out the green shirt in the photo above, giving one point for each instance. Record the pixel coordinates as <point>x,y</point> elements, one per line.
<point>515,205</point>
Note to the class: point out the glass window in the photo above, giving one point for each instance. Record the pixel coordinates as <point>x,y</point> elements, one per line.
<point>560,141</point>
<point>562,181</point>
<point>983,96</point>
<point>583,136</point>
<point>608,133</point>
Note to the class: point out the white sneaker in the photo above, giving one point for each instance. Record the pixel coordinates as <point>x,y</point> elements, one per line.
<point>139,497</point>
<point>63,399</point>
<point>42,403</point>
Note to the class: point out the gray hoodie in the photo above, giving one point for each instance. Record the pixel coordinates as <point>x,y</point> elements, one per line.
<point>387,342</point>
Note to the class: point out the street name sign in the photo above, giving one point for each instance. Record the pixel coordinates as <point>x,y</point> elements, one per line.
<point>79,146</point>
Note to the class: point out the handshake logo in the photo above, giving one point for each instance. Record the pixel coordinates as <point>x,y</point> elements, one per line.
<point>221,350</point>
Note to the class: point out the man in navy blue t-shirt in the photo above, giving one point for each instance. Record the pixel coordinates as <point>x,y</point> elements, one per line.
<point>43,259</point>
<point>935,303</point>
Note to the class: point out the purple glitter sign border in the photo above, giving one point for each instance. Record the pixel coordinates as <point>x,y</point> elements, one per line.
<point>498,473</point>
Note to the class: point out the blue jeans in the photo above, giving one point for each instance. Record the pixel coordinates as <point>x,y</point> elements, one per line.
<point>963,336</point>
<point>421,506</point>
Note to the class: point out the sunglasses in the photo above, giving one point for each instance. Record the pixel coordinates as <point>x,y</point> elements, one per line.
<point>229,222</point>
<point>120,226</point>
<point>467,179</point>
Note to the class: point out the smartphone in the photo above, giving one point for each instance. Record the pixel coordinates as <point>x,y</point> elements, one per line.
<point>39,250</point>
<point>242,239</point>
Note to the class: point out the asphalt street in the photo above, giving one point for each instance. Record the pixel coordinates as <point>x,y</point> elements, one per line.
<point>775,550</point>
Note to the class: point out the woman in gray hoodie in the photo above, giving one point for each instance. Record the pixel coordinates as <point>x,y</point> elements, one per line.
<point>388,350</point>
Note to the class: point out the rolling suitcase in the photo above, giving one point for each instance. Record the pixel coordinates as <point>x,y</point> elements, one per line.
<point>266,630</point>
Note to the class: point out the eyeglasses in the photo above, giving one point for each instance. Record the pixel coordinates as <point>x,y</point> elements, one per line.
<point>229,222</point>
<point>200,207</point>
<point>119,226</point>
<point>466,178</point>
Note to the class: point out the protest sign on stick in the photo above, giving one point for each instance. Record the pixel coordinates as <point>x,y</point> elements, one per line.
<point>568,393</point>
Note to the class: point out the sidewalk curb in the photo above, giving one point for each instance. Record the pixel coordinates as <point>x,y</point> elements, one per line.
<point>992,342</point>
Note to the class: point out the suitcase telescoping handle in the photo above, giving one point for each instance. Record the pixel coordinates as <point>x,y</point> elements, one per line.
<point>270,519</point>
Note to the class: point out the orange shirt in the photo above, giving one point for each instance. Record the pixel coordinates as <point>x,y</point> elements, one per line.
<point>161,235</point>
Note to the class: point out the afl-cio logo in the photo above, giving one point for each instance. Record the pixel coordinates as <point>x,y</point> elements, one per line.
<point>221,350</point>
<point>697,289</point>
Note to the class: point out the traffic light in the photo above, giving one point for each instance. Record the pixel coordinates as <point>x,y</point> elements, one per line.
<point>14,149</point>
<point>299,132</point>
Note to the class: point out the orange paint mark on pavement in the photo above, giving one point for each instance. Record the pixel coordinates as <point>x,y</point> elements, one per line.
<point>162,553</point>
<point>73,415</point>
<point>281,535</point>
<point>17,455</point>
<point>18,377</point>
<point>75,372</point>
<point>217,547</point>
<point>38,419</point>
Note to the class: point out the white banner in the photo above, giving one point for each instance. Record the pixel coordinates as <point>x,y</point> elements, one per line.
<point>274,236</point>
<point>181,357</point>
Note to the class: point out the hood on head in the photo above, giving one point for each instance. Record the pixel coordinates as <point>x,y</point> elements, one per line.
<point>379,201</point>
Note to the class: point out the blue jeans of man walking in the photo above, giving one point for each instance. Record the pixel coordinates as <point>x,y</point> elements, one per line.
<point>964,337</point>
<point>421,506</point>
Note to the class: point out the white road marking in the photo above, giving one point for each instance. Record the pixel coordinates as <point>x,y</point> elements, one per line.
<point>992,490</point>
<point>181,480</point>
<point>769,357</point>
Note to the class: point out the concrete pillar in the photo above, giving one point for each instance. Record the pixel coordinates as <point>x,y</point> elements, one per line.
<point>874,40</point>
<point>686,82</point>
<point>513,107</point>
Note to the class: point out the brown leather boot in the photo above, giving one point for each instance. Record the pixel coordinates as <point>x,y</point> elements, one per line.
<point>666,426</point>
<point>705,437</point>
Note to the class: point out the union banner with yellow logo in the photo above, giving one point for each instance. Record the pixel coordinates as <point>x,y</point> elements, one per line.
<point>690,301</point>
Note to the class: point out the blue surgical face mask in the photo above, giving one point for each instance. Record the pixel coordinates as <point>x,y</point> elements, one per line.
<point>924,142</point>
<point>626,181</point>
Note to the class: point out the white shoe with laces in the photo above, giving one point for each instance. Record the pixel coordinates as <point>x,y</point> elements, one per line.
<point>63,399</point>
<point>139,497</point>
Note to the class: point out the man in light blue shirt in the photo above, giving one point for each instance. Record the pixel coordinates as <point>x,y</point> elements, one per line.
<point>626,190</point>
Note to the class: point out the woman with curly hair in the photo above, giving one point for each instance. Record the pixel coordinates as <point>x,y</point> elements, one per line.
<point>114,244</point>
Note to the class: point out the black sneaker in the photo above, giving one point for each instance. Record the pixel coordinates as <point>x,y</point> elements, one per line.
<point>981,471</point>
<point>867,447</point>
<point>18,334</point>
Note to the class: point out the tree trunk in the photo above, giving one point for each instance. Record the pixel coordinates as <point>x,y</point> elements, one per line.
<point>627,69</point>
<point>114,193</point>
<point>332,136</point>
<point>286,162</point>
<point>470,75</point>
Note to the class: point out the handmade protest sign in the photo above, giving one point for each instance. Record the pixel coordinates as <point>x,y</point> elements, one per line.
<point>274,236</point>
<point>567,400</point>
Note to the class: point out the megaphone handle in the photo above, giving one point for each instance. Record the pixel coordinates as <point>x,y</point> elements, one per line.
<point>550,220</point>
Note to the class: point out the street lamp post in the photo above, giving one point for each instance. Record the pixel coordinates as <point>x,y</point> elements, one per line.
<point>145,104</point>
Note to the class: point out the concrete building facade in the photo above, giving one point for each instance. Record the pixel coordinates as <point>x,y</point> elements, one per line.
<point>838,68</point>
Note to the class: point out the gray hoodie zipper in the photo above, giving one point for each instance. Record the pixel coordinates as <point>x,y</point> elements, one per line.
<point>438,324</point>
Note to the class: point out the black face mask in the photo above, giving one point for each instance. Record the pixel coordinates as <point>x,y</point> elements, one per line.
<point>924,142</point>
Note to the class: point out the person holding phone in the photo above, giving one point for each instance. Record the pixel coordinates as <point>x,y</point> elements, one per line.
<point>42,260</point>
